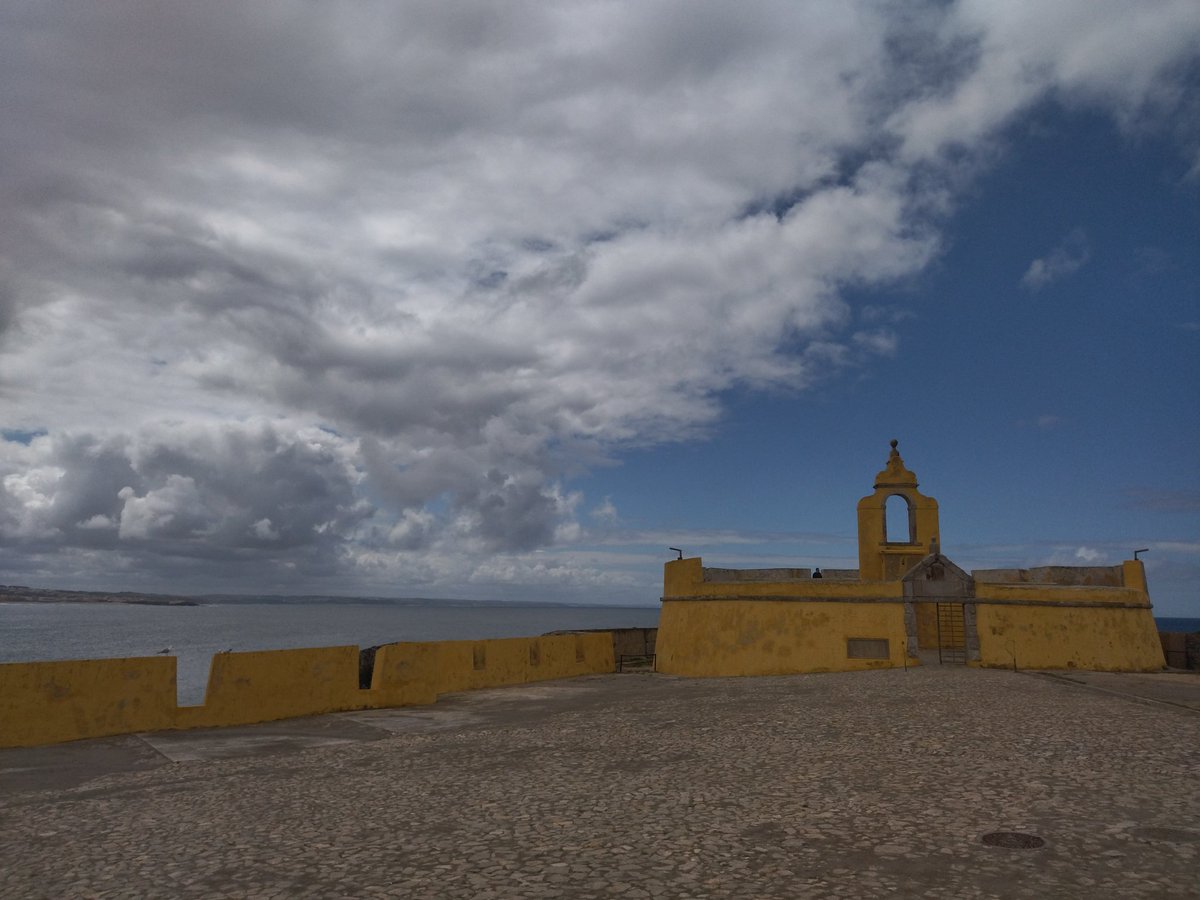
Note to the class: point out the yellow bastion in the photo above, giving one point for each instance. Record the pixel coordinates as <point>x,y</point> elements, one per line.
<point>906,604</point>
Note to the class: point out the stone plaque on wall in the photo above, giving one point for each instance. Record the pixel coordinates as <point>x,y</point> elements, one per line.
<point>867,648</point>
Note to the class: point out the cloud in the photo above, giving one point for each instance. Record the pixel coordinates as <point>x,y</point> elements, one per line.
<point>1180,500</point>
<point>1062,261</point>
<point>1193,173</point>
<point>354,290</point>
<point>264,530</point>
<point>1043,422</point>
<point>606,512</point>
<point>199,492</point>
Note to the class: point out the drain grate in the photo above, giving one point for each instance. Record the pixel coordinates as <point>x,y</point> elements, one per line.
<point>1013,840</point>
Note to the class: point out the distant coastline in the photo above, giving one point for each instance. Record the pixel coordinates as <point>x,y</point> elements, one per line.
<point>22,594</point>
<point>17,593</point>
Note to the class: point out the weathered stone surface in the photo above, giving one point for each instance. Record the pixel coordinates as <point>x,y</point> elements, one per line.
<point>850,785</point>
<point>1104,576</point>
<point>718,575</point>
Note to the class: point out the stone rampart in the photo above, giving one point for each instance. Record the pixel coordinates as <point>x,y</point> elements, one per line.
<point>51,702</point>
<point>722,575</point>
<point>1082,576</point>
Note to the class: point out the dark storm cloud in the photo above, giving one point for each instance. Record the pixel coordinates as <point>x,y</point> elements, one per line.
<point>8,302</point>
<point>183,492</point>
<point>483,245</point>
<point>513,515</point>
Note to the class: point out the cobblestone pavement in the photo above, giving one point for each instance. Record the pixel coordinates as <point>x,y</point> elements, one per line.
<point>646,786</point>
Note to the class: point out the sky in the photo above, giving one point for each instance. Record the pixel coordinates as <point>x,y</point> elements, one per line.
<point>501,301</point>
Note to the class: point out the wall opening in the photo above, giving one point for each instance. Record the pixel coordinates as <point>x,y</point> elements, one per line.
<point>366,667</point>
<point>899,525</point>
<point>867,648</point>
<point>479,657</point>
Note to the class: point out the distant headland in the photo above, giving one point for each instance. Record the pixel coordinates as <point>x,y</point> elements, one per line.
<point>16,593</point>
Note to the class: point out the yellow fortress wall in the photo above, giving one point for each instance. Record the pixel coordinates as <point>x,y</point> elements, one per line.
<point>906,604</point>
<point>50,702</point>
<point>1069,626</point>
<point>405,674</point>
<point>46,702</point>
<point>264,685</point>
<point>773,637</point>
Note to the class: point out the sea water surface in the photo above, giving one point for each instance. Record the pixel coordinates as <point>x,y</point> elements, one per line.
<point>193,634</point>
<point>1167,623</point>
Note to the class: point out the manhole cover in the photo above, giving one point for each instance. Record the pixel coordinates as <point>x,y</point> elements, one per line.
<point>1013,840</point>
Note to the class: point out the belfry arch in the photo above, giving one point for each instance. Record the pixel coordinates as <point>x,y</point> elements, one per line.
<point>882,554</point>
<point>899,522</point>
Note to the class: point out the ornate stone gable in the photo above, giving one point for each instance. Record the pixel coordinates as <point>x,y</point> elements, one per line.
<point>935,578</point>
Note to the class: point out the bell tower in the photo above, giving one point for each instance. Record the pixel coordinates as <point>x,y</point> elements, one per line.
<point>884,555</point>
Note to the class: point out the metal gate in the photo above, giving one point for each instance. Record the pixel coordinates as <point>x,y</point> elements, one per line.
<point>952,644</point>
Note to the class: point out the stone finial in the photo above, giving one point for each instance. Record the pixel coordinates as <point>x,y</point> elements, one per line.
<point>896,474</point>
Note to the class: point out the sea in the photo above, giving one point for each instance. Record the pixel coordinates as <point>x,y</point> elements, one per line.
<point>1166,623</point>
<point>193,634</point>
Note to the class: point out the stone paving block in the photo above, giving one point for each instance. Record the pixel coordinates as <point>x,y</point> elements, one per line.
<point>852,785</point>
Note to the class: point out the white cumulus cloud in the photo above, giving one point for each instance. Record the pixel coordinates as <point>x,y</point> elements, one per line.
<point>354,289</point>
<point>1065,259</point>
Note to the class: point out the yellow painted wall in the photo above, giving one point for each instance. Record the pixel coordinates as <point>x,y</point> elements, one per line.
<point>560,656</point>
<point>927,625</point>
<point>742,632</point>
<point>520,660</point>
<point>46,702</point>
<point>50,702</point>
<point>505,662</point>
<point>703,638</point>
<point>405,674</point>
<point>264,685</point>
<point>1050,637</point>
<point>684,578</point>
<point>1133,573</point>
<point>1058,593</point>
<point>881,559</point>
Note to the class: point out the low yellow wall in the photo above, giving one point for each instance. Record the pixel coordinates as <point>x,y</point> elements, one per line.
<point>405,674</point>
<point>568,655</point>
<point>1049,637</point>
<point>503,661</point>
<point>701,638</point>
<point>47,702</point>
<point>264,685</point>
<point>521,660</point>
<point>50,702</point>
